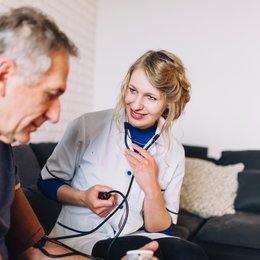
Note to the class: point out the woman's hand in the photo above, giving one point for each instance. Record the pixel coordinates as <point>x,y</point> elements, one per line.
<point>153,246</point>
<point>100,207</point>
<point>144,168</point>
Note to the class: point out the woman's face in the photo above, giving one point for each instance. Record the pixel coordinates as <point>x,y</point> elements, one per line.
<point>144,103</point>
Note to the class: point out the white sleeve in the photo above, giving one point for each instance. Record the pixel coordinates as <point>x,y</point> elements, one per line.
<point>172,192</point>
<point>66,156</point>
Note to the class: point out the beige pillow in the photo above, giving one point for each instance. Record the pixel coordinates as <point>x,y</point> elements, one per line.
<point>208,189</point>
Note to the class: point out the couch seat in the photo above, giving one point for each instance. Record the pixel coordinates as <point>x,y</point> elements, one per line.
<point>240,229</point>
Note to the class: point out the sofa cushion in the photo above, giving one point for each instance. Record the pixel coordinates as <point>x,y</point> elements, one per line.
<point>248,193</point>
<point>42,151</point>
<point>250,158</point>
<point>46,210</point>
<point>187,225</point>
<point>209,189</point>
<point>27,164</point>
<point>240,229</point>
<point>227,252</point>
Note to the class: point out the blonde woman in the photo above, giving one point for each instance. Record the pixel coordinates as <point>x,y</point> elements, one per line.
<point>130,149</point>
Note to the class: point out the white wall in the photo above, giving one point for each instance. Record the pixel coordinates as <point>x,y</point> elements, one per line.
<point>218,41</point>
<point>77,19</point>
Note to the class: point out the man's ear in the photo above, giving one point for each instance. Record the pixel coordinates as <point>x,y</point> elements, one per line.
<point>6,68</point>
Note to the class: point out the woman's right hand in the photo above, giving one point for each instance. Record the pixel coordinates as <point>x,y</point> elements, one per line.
<point>100,207</point>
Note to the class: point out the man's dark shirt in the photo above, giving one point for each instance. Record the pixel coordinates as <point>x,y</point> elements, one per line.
<point>8,179</point>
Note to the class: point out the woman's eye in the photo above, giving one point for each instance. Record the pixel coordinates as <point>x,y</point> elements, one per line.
<point>152,98</point>
<point>132,90</point>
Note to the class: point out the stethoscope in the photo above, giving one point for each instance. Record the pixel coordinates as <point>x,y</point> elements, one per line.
<point>81,233</point>
<point>150,143</point>
<point>125,197</point>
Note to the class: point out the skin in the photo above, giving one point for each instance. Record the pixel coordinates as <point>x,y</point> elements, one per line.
<point>144,103</point>
<point>87,198</point>
<point>144,106</point>
<point>27,107</point>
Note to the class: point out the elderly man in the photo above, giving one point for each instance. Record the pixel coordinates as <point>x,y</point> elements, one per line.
<point>34,66</point>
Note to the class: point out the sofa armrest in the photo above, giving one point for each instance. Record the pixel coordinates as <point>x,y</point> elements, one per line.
<point>248,193</point>
<point>27,165</point>
<point>42,151</point>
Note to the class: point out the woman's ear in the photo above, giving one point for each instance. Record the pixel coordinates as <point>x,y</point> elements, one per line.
<point>6,68</point>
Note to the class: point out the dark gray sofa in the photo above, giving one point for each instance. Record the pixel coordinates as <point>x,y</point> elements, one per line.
<point>229,237</point>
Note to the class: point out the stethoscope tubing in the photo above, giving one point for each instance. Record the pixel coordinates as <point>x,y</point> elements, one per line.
<point>125,197</point>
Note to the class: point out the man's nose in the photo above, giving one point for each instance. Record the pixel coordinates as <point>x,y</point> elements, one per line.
<point>53,112</point>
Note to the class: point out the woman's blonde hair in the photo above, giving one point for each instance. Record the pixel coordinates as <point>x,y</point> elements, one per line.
<point>165,71</point>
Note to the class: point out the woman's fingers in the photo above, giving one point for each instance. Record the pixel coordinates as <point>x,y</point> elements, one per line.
<point>141,151</point>
<point>140,155</point>
<point>135,159</point>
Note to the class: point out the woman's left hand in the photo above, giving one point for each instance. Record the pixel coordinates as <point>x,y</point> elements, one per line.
<point>144,168</point>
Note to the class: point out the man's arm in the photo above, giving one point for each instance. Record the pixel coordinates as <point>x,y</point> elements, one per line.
<point>35,254</point>
<point>25,229</point>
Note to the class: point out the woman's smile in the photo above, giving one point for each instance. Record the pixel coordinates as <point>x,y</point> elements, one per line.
<point>135,115</point>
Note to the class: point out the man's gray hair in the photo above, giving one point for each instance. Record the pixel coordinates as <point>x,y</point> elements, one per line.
<point>28,37</point>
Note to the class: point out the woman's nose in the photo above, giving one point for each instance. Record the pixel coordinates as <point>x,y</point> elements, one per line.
<point>138,103</point>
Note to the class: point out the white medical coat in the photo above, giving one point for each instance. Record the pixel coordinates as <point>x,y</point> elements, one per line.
<point>92,152</point>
